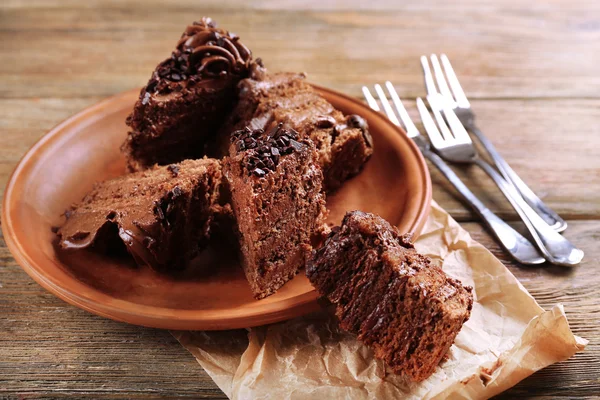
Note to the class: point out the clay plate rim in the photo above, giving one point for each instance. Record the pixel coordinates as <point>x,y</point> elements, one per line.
<point>166,318</point>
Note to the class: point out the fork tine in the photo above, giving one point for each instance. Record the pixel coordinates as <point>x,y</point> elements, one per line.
<point>441,80</point>
<point>457,90</point>
<point>430,127</point>
<point>411,129</point>
<point>386,105</point>
<point>457,128</point>
<point>428,77</point>
<point>370,99</point>
<point>436,104</point>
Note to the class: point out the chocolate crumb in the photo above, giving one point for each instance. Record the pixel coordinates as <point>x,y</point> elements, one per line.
<point>146,98</point>
<point>159,211</point>
<point>324,122</point>
<point>174,170</point>
<point>296,145</point>
<point>356,121</point>
<point>176,192</point>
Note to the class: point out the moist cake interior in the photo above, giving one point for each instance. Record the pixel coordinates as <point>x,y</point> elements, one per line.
<point>393,298</point>
<point>277,199</point>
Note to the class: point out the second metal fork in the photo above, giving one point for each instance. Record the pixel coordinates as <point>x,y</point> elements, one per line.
<point>453,143</point>
<point>513,242</point>
<point>453,94</point>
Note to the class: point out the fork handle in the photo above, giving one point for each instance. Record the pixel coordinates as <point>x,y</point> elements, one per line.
<point>512,241</point>
<point>556,249</point>
<point>549,215</point>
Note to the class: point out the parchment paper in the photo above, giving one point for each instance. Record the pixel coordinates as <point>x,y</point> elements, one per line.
<point>508,337</point>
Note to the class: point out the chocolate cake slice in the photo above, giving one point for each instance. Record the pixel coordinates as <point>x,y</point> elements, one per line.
<point>162,215</point>
<point>343,143</point>
<point>392,297</point>
<point>277,199</point>
<point>187,98</point>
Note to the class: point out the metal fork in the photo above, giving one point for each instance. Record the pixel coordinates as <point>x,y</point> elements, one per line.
<point>513,242</point>
<point>453,143</point>
<point>453,93</point>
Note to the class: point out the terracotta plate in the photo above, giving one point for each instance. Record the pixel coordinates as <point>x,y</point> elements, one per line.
<point>84,149</point>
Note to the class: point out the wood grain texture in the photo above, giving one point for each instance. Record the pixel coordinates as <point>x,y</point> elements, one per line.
<point>524,49</point>
<point>531,69</point>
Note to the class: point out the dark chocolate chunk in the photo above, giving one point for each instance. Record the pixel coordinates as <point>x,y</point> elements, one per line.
<point>356,121</point>
<point>324,122</point>
<point>296,145</point>
<point>266,148</point>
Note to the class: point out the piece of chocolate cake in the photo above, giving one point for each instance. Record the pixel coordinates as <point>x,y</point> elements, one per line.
<point>162,215</point>
<point>343,143</point>
<point>277,199</point>
<point>392,297</point>
<point>188,97</point>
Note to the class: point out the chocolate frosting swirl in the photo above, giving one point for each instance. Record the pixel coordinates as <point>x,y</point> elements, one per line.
<point>204,52</point>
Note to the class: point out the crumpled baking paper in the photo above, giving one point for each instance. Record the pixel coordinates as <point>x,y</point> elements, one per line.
<point>508,337</point>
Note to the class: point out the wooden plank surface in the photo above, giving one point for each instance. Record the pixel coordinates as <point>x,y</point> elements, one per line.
<point>531,69</point>
<point>525,49</point>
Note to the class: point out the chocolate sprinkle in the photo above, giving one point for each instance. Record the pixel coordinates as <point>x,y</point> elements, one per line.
<point>264,151</point>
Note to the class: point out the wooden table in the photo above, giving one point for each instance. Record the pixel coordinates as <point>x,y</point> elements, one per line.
<point>530,68</point>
